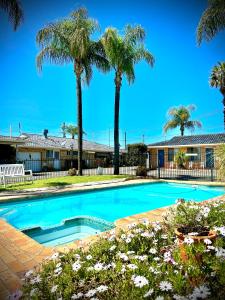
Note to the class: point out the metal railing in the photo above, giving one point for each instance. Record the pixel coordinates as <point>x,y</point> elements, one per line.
<point>191,170</point>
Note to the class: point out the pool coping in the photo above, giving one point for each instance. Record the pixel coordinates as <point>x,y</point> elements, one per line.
<point>20,253</point>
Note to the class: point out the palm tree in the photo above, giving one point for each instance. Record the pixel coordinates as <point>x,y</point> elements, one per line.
<point>69,41</point>
<point>217,79</point>
<point>180,117</point>
<point>212,20</point>
<point>14,10</point>
<point>63,127</point>
<point>123,52</point>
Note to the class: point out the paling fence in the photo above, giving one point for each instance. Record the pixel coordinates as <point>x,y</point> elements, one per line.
<point>192,168</point>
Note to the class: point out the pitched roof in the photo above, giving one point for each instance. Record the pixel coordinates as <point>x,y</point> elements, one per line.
<point>8,139</point>
<point>52,142</point>
<point>202,139</point>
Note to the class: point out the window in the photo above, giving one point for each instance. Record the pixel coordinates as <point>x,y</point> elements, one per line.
<point>49,154</point>
<point>70,153</point>
<point>56,155</point>
<point>196,154</point>
<point>170,154</point>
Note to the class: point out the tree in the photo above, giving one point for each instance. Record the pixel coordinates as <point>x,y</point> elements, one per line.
<point>180,159</point>
<point>14,10</point>
<point>217,80</point>
<point>69,41</point>
<point>180,117</point>
<point>123,52</point>
<point>220,157</point>
<point>137,154</point>
<point>63,127</point>
<point>212,21</point>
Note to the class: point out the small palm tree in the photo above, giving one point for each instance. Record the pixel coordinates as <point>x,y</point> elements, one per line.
<point>212,20</point>
<point>72,130</point>
<point>217,80</point>
<point>14,10</point>
<point>69,41</point>
<point>180,159</point>
<point>180,117</point>
<point>123,52</point>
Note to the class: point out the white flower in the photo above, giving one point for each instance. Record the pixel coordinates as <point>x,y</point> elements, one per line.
<point>77,296</point>
<point>156,258</point>
<point>130,252</point>
<point>198,218</point>
<point>149,293</point>
<point>164,236</point>
<point>128,240</point>
<point>54,256</point>
<point>29,273</point>
<point>89,257</point>
<point>54,288</point>
<point>58,270</point>
<point>94,298</point>
<point>98,266</point>
<point>153,251</point>
<point>33,291</point>
<point>220,252</point>
<point>159,298</point>
<point>102,288</point>
<point>178,297</point>
<point>145,221</point>
<point>167,256</point>
<point>112,238</point>
<point>201,292</point>
<point>123,269</point>
<point>211,247</point>
<point>139,281</point>
<point>141,257</point>
<point>90,293</point>
<point>123,237</point>
<point>188,241</point>
<point>112,248</point>
<point>123,256</point>
<point>132,266</point>
<point>36,279</point>
<point>207,241</point>
<point>76,266</point>
<point>165,286</point>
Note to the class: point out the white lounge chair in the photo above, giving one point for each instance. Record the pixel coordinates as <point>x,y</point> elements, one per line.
<point>13,171</point>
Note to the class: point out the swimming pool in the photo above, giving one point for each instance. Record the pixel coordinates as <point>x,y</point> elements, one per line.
<point>107,204</point>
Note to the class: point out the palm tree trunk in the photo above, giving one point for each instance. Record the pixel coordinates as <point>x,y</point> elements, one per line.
<point>79,123</point>
<point>118,80</point>
<point>224,110</point>
<point>182,130</point>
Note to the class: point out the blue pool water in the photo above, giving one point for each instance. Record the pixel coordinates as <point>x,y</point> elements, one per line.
<point>107,204</point>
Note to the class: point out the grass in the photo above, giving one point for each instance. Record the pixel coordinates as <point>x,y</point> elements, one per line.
<point>58,181</point>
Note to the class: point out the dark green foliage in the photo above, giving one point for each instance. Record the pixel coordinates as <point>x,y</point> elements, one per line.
<point>72,172</point>
<point>136,155</point>
<point>141,171</point>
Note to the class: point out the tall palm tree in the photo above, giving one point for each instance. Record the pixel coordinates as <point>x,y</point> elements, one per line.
<point>217,79</point>
<point>14,10</point>
<point>212,20</point>
<point>180,117</point>
<point>123,52</point>
<point>69,41</point>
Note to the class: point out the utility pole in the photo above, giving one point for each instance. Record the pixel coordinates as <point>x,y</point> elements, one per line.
<point>109,138</point>
<point>125,140</point>
<point>10,130</point>
<point>143,138</point>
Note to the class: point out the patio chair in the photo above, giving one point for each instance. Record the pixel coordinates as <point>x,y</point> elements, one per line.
<point>190,165</point>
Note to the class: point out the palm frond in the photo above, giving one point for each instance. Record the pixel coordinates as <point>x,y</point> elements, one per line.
<point>14,10</point>
<point>170,125</point>
<point>212,21</point>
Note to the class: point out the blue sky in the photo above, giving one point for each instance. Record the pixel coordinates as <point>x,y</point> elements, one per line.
<point>180,74</point>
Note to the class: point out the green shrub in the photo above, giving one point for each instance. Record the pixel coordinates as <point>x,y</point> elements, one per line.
<point>144,262</point>
<point>72,172</point>
<point>141,171</point>
<point>181,159</point>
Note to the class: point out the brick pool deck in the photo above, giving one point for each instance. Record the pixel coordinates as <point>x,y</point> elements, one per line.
<point>19,253</point>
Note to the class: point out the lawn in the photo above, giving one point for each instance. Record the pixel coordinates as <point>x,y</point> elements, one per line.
<point>59,181</point>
